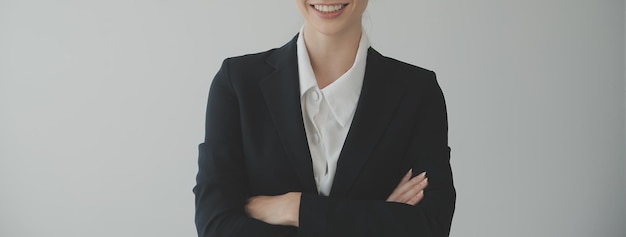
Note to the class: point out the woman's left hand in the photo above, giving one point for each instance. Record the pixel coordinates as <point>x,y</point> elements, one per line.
<point>409,190</point>
<point>276,210</point>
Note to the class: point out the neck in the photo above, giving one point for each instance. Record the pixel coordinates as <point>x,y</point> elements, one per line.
<point>331,55</point>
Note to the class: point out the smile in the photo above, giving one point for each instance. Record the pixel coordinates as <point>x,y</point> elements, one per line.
<point>329,8</point>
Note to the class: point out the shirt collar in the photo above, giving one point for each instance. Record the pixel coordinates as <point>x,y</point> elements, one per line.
<point>343,94</point>
<point>305,71</point>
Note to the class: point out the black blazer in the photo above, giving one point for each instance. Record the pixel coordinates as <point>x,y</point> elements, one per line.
<point>256,145</point>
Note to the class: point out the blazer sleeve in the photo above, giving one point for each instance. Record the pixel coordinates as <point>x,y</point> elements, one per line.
<point>220,191</point>
<point>328,216</point>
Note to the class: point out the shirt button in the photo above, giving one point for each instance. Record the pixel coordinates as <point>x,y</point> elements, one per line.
<point>315,96</point>
<point>316,138</point>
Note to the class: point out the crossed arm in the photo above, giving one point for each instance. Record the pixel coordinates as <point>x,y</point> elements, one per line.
<point>285,209</point>
<point>224,207</point>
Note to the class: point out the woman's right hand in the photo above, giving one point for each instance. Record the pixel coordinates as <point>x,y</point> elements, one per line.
<point>409,190</point>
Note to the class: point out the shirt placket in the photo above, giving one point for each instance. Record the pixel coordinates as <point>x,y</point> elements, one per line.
<point>313,108</point>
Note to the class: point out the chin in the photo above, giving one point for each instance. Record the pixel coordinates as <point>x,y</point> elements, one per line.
<point>329,29</point>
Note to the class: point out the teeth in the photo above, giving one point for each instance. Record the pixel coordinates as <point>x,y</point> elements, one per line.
<point>328,8</point>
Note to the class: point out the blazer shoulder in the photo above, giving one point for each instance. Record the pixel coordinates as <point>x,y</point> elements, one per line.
<point>247,71</point>
<point>255,60</point>
<point>248,68</point>
<point>406,68</point>
<point>420,81</point>
<point>251,60</point>
<point>408,73</point>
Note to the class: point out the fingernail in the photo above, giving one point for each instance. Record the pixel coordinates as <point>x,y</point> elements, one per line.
<point>423,174</point>
<point>410,171</point>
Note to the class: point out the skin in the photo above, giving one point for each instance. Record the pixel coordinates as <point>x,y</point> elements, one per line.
<point>332,45</point>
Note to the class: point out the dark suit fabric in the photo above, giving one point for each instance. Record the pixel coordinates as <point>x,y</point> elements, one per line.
<point>256,144</point>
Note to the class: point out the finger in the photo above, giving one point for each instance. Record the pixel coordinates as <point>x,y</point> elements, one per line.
<point>250,205</point>
<point>394,195</point>
<point>414,190</point>
<point>252,199</point>
<point>421,176</point>
<point>417,179</point>
<point>248,208</point>
<point>411,183</point>
<point>416,199</point>
<point>399,194</point>
<point>406,177</point>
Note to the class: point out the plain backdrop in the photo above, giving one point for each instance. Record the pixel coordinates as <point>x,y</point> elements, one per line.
<point>102,107</point>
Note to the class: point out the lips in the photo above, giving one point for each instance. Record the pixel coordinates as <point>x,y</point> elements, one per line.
<point>328,8</point>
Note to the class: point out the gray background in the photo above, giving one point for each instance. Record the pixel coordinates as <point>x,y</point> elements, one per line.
<point>102,107</point>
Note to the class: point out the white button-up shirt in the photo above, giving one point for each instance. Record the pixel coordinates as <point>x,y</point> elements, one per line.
<point>328,112</point>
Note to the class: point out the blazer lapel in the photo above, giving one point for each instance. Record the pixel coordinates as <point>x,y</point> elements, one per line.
<point>380,96</point>
<point>282,94</point>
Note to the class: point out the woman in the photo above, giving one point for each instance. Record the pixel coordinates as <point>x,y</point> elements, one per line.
<point>324,137</point>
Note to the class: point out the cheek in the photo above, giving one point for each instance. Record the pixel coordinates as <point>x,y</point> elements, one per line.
<point>362,5</point>
<point>302,7</point>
